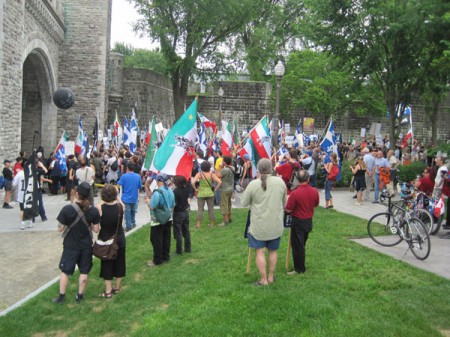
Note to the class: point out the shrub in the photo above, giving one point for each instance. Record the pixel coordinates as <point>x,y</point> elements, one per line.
<point>409,172</point>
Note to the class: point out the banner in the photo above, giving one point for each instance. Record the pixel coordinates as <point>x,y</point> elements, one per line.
<point>308,124</point>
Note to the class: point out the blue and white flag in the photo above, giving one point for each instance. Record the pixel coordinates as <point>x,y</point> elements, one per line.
<point>202,138</point>
<point>129,135</point>
<point>84,148</point>
<point>282,152</point>
<point>328,143</point>
<point>134,121</point>
<point>307,139</point>
<point>299,140</point>
<point>60,153</point>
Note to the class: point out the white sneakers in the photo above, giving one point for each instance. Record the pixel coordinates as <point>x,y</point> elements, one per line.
<point>28,224</point>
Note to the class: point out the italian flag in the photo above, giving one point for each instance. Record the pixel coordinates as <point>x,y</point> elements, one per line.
<point>260,136</point>
<point>151,149</point>
<point>176,154</point>
<point>207,123</point>
<point>407,136</point>
<point>236,139</point>
<point>227,139</point>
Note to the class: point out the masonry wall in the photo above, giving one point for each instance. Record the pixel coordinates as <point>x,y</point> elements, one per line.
<point>83,63</point>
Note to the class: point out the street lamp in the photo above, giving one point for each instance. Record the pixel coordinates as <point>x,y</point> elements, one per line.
<point>279,72</point>
<point>220,94</point>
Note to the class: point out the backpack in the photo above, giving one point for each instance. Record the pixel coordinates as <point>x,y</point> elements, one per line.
<point>2,182</point>
<point>195,168</point>
<point>114,166</point>
<point>334,172</point>
<point>294,179</point>
<point>162,213</point>
<point>307,166</point>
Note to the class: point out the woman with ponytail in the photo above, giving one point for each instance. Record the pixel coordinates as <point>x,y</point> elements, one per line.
<point>266,197</point>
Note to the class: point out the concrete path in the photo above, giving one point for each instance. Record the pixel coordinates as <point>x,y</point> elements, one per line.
<point>29,258</point>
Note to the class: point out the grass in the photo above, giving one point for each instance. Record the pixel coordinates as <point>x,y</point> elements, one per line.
<point>348,290</point>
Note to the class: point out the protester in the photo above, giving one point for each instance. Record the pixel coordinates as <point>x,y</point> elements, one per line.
<point>131,184</point>
<point>86,174</point>
<point>19,185</point>
<point>381,164</point>
<point>112,168</point>
<point>300,205</point>
<point>41,171</point>
<point>330,168</point>
<point>393,164</point>
<point>181,215</point>
<point>308,163</point>
<point>111,213</point>
<point>55,174</point>
<point>205,192</point>
<point>440,178</point>
<point>76,222</point>
<point>266,197</point>
<point>160,232</point>
<point>18,166</point>
<point>425,184</point>
<point>369,159</point>
<point>227,187</point>
<point>98,166</point>
<point>285,169</point>
<point>8,175</point>
<point>359,172</point>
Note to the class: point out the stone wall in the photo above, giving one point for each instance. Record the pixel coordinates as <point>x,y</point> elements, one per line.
<point>83,63</point>
<point>147,91</point>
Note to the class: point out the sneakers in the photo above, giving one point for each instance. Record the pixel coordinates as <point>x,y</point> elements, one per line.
<point>375,202</point>
<point>292,273</point>
<point>223,224</point>
<point>22,225</point>
<point>59,300</point>
<point>30,224</point>
<point>358,203</point>
<point>79,298</point>
<point>7,206</point>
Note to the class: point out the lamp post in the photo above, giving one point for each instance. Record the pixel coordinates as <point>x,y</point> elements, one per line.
<point>279,72</point>
<point>220,94</point>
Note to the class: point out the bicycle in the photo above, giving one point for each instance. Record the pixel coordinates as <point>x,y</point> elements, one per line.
<point>418,208</point>
<point>395,225</point>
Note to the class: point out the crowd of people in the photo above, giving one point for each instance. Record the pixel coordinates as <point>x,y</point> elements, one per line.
<point>285,184</point>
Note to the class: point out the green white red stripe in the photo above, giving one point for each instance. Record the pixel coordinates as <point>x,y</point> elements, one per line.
<point>260,136</point>
<point>227,139</point>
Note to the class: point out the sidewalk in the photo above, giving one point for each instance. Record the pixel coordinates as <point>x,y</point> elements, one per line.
<point>29,258</point>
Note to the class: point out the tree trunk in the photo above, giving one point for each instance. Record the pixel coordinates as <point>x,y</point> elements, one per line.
<point>392,119</point>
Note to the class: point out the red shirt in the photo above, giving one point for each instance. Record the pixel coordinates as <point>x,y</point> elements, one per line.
<point>285,171</point>
<point>426,185</point>
<point>302,202</point>
<point>17,168</point>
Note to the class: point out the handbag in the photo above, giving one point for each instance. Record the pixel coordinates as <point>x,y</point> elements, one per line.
<point>107,250</point>
<point>162,212</point>
<point>212,187</point>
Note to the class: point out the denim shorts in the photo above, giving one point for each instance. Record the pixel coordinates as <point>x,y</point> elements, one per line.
<point>258,244</point>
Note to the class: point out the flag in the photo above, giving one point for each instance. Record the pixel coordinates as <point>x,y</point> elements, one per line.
<point>129,135</point>
<point>328,143</point>
<point>176,154</point>
<point>282,151</point>
<point>31,193</point>
<point>95,131</point>
<point>227,139</point>
<point>116,125</point>
<point>249,149</point>
<point>149,133</point>
<point>60,153</point>
<point>80,138</point>
<point>208,124</point>
<point>151,148</point>
<point>202,138</point>
<point>84,146</point>
<point>407,136</point>
<point>298,137</point>
<point>235,132</point>
<point>260,136</point>
<point>134,121</point>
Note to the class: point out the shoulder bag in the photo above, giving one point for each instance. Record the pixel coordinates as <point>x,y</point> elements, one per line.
<point>212,187</point>
<point>107,250</point>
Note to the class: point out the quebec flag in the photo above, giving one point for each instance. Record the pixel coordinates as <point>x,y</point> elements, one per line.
<point>328,143</point>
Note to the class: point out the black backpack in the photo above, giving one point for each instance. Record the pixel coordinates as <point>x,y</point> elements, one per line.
<point>294,181</point>
<point>114,166</point>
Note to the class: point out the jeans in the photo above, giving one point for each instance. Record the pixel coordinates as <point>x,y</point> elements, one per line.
<point>181,230</point>
<point>369,182</point>
<point>328,186</point>
<point>130,214</point>
<point>377,187</point>
<point>41,206</point>
<point>312,180</point>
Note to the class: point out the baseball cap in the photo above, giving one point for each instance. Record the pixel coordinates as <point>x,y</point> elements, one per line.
<point>246,156</point>
<point>309,153</point>
<point>84,189</point>
<point>6,161</point>
<point>161,177</point>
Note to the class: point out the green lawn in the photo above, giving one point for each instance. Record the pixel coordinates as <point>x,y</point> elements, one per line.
<point>348,290</point>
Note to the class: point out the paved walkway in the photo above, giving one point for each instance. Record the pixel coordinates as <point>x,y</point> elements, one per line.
<point>29,258</point>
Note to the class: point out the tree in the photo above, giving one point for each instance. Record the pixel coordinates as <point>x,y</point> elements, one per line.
<point>316,81</point>
<point>189,30</point>
<point>123,48</point>
<point>387,42</point>
<point>141,58</point>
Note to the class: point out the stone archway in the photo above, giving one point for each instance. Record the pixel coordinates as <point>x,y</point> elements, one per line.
<point>38,112</point>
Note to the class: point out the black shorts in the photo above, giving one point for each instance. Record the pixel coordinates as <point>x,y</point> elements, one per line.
<point>8,185</point>
<point>76,257</point>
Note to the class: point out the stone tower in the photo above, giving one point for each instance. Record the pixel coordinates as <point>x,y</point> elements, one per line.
<point>44,45</point>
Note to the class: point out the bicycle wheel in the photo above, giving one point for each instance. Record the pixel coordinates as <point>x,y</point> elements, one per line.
<point>382,230</point>
<point>424,216</point>
<point>436,224</point>
<point>418,239</point>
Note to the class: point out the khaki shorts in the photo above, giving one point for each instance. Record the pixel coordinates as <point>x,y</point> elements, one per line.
<point>225,202</point>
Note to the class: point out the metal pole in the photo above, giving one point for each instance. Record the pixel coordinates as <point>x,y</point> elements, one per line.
<point>277,114</point>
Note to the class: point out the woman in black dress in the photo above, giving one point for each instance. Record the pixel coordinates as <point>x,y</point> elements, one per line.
<point>111,212</point>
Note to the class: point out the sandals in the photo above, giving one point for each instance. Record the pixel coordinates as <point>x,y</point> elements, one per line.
<point>260,284</point>
<point>105,295</point>
<point>115,291</point>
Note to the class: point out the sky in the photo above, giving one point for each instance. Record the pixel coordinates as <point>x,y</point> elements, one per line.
<point>123,15</point>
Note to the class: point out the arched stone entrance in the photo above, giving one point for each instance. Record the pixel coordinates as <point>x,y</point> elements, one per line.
<point>38,112</point>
